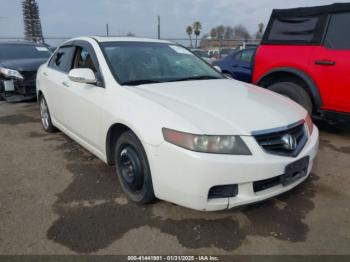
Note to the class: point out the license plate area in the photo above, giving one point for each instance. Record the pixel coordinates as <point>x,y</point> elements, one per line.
<point>295,171</point>
<point>9,85</point>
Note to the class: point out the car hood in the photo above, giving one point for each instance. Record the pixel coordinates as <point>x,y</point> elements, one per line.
<point>224,107</point>
<point>23,64</point>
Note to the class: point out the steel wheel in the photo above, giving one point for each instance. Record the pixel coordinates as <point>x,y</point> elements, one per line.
<point>131,167</point>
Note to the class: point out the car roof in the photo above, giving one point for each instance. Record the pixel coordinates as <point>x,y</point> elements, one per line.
<point>311,11</point>
<point>19,43</point>
<point>240,50</point>
<point>102,39</point>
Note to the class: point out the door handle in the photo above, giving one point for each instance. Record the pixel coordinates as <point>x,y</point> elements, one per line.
<point>65,84</point>
<point>325,62</point>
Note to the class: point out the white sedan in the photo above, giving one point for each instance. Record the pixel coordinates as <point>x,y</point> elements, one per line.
<point>173,126</point>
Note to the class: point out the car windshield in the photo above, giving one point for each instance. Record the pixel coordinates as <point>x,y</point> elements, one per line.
<point>136,63</point>
<point>23,51</point>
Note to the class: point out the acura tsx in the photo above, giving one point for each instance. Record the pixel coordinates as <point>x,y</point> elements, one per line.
<point>174,127</point>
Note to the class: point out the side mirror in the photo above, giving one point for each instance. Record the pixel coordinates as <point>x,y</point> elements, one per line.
<point>82,75</point>
<point>217,68</point>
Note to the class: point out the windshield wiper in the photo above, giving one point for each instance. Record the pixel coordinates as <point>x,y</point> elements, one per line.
<point>203,77</point>
<point>140,82</point>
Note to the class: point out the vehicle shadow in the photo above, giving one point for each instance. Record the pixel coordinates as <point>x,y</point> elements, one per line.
<point>340,128</point>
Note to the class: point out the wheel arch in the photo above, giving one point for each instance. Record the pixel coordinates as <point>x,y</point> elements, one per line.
<point>39,94</point>
<point>283,74</point>
<point>113,133</point>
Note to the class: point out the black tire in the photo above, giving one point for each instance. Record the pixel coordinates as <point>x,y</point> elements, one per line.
<point>294,92</point>
<point>45,116</point>
<point>133,169</point>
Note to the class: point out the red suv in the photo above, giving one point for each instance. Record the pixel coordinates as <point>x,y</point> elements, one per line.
<point>305,55</point>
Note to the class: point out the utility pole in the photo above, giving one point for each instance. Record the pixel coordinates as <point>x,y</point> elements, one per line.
<point>107,29</point>
<point>158,27</point>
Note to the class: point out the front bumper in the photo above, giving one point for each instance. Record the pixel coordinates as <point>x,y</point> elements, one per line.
<point>185,177</point>
<point>14,90</point>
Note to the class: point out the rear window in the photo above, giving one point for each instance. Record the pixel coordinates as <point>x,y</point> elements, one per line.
<point>338,36</point>
<point>295,30</point>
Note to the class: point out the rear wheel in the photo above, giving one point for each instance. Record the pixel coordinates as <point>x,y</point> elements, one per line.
<point>133,169</point>
<point>45,116</point>
<point>294,92</point>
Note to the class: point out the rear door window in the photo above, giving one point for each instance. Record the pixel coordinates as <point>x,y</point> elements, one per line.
<point>247,55</point>
<point>62,59</point>
<point>338,36</point>
<point>293,29</point>
<point>237,56</point>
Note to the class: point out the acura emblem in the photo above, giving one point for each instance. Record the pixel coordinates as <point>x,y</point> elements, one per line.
<point>289,142</point>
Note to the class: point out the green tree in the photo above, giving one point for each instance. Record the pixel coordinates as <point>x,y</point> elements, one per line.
<point>240,32</point>
<point>197,27</point>
<point>189,31</point>
<point>32,23</point>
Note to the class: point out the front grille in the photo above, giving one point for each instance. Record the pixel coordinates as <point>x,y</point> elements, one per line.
<point>29,75</point>
<point>287,141</point>
<point>266,183</point>
<point>223,191</point>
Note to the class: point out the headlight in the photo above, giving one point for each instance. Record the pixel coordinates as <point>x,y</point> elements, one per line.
<point>232,145</point>
<point>10,73</point>
<point>309,123</point>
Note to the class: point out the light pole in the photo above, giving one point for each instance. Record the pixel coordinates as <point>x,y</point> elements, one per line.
<point>158,27</point>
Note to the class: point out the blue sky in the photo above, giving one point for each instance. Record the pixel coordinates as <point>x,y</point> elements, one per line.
<point>69,18</point>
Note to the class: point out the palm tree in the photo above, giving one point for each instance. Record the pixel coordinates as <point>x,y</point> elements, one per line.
<point>189,31</point>
<point>197,27</point>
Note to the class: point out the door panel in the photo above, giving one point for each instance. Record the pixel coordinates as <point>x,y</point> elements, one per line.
<point>83,105</point>
<point>53,75</point>
<point>55,93</point>
<point>242,65</point>
<point>331,64</point>
<point>331,70</point>
<point>84,101</point>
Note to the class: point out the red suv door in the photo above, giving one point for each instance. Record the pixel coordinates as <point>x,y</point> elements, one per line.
<point>330,65</point>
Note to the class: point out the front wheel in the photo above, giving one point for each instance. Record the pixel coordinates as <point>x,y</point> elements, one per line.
<point>294,92</point>
<point>133,169</point>
<point>45,116</point>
